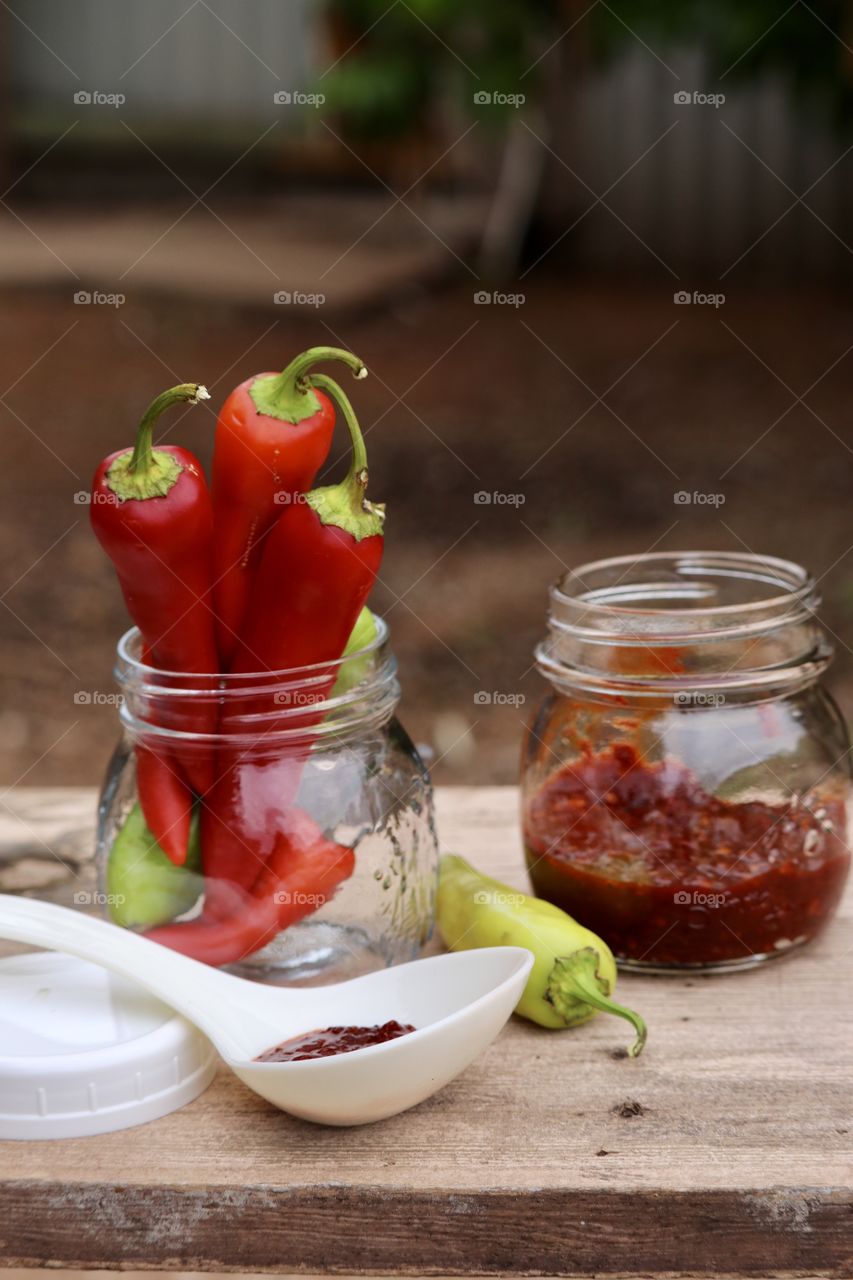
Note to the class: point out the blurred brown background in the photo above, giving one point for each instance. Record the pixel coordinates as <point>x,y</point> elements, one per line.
<point>595,256</point>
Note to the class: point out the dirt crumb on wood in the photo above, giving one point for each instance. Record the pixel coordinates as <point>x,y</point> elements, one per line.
<point>629,1108</point>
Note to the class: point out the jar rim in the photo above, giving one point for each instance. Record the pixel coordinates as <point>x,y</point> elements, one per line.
<point>797,597</point>
<point>293,675</point>
<point>301,700</point>
<point>641,625</point>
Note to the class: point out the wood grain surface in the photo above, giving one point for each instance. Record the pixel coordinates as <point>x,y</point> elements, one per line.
<point>737,1160</point>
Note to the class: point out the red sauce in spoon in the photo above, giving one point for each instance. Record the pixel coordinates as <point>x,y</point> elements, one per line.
<point>333,1040</point>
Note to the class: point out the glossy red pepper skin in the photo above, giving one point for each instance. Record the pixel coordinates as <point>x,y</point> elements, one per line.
<point>317,568</point>
<point>258,463</point>
<point>153,517</point>
<point>164,794</point>
<point>161,548</point>
<point>301,876</point>
<point>311,585</point>
<point>273,435</point>
<point>166,801</point>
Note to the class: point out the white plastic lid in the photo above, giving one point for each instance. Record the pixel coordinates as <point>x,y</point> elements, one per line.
<point>83,1051</point>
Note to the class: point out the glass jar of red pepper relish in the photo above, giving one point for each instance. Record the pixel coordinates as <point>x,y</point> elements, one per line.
<point>686,784</point>
<point>311,849</point>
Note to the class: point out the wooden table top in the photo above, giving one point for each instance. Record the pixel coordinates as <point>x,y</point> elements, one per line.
<point>725,1149</point>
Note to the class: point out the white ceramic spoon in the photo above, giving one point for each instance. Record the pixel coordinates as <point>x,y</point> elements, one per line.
<point>458,1003</point>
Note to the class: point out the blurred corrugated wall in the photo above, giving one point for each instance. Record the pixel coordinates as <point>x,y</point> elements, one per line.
<point>711,188</point>
<point>202,58</point>
<point>723,182</point>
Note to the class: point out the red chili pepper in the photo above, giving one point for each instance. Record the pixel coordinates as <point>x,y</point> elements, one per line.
<point>273,435</point>
<point>151,512</point>
<point>318,565</point>
<point>165,797</point>
<point>166,801</point>
<point>302,875</point>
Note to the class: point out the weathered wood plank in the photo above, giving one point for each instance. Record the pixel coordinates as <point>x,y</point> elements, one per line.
<point>61,1273</point>
<point>741,1161</point>
<point>422,1233</point>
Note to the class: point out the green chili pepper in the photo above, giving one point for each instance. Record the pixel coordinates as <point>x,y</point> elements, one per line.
<point>574,972</point>
<point>351,673</point>
<point>145,888</point>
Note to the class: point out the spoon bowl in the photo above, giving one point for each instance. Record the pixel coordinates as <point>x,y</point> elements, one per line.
<point>457,1002</point>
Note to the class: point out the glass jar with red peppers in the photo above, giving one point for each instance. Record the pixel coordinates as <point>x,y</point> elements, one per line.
<point>686,784</point>
<point>310,850</point>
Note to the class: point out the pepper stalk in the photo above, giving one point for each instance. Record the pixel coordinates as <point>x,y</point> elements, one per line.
<point>288,395</point>
<point>575,983</point>
<point>345,504</point>
<point>146,472</point>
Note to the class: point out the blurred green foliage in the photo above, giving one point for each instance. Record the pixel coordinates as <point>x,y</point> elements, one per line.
<point>399,65</point>
<point>809,44</point>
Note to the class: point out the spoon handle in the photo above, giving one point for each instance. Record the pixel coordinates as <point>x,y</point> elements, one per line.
<point>191,988</point>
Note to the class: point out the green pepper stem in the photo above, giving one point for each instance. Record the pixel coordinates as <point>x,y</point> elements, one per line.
<point>288,395</point>
<point>357,473</point>
<point>298,367</point>
<point>575,979</point>
<point>143,451</point>
<point>147,472</point>
<point>345,504</point>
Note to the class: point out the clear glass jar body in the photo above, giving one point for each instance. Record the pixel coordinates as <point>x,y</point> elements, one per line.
<point>313,853</point>
<point>686,784</point>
